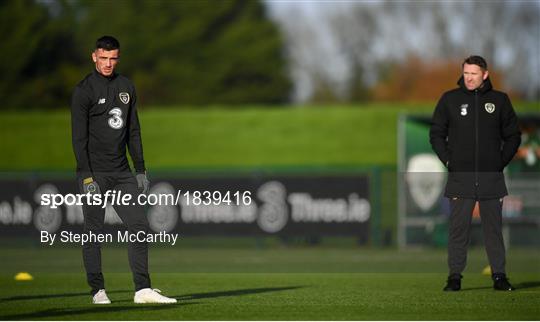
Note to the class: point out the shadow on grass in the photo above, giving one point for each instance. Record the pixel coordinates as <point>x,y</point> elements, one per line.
<point>247,291</point>
<point>59,312</point>
<point>520,286</point>
<point>196,296</point>
<point>527,285</point>
<point>52,296</point>
<point>476,288</point>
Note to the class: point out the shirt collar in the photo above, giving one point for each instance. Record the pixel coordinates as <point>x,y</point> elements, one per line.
<point>104,79</point>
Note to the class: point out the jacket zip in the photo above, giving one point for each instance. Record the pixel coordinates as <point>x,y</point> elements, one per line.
<point>476,139</point>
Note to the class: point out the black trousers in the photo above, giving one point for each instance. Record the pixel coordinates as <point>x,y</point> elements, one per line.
<point>132,215</point>
<point>459,233</point>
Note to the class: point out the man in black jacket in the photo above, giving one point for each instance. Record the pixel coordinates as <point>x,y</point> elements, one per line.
<point>475,133</point>
<point>104,121</point>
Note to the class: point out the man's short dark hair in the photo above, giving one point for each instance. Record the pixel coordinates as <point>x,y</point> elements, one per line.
<point>107,43</point>
<point>475,60</point>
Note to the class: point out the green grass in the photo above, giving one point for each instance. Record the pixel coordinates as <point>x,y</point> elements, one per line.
<point>275,283</point>
<point>254,137</point>
<point>216,138</point>
<point>275,297</point>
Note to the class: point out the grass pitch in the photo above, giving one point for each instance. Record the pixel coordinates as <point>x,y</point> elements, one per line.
<point>255,137</point>
<point>277,283</point>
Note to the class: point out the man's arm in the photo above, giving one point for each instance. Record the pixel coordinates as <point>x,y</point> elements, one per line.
<point>80,104</point>
<point>439,132</point>
<point>134,137</point>
<point>510,133</point>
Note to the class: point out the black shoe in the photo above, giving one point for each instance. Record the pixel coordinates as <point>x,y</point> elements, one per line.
<point>500,283</point>
<point>453,283</point>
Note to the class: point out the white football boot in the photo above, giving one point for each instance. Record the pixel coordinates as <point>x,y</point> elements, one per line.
<point>101,298</point>
<point>148,295</point>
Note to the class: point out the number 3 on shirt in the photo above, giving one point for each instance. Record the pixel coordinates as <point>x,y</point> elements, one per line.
<point>116,121</point>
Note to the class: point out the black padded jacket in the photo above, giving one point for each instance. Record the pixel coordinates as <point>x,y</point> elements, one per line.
<point>475,134</point>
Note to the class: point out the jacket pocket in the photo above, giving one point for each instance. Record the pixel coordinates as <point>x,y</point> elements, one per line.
<point>498,157</point>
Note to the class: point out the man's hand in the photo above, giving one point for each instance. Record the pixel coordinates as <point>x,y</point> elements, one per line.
<point>90,186</point>
<point>142,182</point>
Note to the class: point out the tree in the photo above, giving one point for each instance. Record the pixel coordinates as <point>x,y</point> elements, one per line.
<point>38,49</point>
<point>360,39</point>
<point>176,52</point>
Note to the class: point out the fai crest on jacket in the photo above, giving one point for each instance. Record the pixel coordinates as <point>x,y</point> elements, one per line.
<point>124,97</point>
<point>490,107</point>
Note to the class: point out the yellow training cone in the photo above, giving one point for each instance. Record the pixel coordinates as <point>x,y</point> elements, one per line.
<point>23,276</point>
<point>487,270</point>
